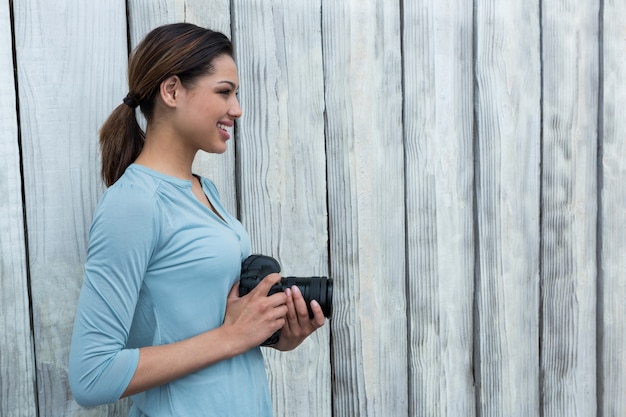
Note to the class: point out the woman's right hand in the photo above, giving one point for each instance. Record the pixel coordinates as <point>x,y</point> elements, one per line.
<point>253,318</point>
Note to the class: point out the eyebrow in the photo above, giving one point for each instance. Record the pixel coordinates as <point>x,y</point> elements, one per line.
<point>232,84</point>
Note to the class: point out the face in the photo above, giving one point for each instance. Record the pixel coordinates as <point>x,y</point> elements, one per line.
<point>206,112</point>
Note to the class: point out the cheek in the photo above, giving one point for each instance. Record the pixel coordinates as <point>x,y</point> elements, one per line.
<point>208,111</point>
<point>202,115</point>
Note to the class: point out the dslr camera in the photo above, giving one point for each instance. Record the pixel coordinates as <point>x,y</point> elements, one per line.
<point>256,267</point>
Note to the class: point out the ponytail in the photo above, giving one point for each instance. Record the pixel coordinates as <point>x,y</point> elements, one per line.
<point>121,141</point>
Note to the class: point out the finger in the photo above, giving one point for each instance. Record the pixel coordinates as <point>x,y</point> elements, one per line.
<point>300,304</point>
<point>318,314</point>
<point>289,312</point>
<point>278,298</point>
<point>280,315</point>
<point>266,283</point>
<point>291,308</point>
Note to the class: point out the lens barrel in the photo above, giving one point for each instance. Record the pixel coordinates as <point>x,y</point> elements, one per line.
<point>313,288</point>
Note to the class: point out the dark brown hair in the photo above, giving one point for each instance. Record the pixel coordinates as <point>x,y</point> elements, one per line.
<point>180,49</point>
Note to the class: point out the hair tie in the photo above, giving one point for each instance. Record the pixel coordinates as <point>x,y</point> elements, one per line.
<point>130,100</point>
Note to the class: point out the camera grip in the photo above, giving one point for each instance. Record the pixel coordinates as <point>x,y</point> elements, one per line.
<point>253,269</point>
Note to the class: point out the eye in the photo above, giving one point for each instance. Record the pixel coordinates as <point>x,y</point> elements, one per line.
<point>225,92</point>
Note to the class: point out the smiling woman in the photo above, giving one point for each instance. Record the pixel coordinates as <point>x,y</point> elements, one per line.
<point>159,316</point>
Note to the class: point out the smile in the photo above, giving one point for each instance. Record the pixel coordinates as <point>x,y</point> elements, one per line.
<point>225,128</point>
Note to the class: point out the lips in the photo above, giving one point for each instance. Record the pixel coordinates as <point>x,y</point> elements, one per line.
<point>226,129</point>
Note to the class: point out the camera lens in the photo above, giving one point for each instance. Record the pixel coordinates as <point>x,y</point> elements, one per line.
<point>313,288</point>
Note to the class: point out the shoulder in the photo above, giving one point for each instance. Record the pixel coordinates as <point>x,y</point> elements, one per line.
<point>128,204</point>
<point>134,186</point>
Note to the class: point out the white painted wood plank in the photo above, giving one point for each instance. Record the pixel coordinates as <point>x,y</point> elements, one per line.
<point>569,207</point>
<point>17,361</point>
<point>71,66</point>
<point>281,164</point>
<point>145,15</point>
<point>612,278</point>
<point>362,67</point>
<point>438,120</point>
<point>507,180</point>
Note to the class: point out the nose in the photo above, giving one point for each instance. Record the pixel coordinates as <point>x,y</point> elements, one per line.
<point>235,109</point>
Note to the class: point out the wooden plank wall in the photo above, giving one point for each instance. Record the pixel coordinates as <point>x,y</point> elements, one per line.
<point>507,174</point>
<point>570,57</point>
<point>17,361</point>
<point>458,169</point>
<point>363,72</point>
<point>612,216</point>
<point>439,153</point>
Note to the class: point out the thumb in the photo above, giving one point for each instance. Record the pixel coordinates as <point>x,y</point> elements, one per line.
<point>234,292</point>
<point>266,283</point>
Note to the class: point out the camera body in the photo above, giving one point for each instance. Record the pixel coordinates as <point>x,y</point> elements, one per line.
<point>256,267</point>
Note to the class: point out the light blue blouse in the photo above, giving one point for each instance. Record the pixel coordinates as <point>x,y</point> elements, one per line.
<point>159,268</point>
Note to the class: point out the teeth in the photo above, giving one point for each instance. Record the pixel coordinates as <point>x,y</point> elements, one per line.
<point>224,127</point>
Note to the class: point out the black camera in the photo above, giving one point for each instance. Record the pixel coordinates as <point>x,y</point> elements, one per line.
<point>256,267</point>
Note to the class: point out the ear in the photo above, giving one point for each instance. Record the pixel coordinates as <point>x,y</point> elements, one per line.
<point>170,90</point>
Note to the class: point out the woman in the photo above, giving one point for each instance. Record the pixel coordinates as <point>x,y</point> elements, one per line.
<point>159,317</point>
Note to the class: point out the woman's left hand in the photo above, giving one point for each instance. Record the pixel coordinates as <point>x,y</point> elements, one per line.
<point>298,325</point>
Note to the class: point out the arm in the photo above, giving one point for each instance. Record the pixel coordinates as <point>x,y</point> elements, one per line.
<point>121,240</point>
<point>249,320</point>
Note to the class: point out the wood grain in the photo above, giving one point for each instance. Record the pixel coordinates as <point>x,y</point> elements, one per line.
<point>281,163</point>
<point>438,120</point>
<point>569,207</point>
<point>17,360</point>
<point>71,69</point>
<point>363,91</point>
<point>612,224</point>
<point>508,119</point>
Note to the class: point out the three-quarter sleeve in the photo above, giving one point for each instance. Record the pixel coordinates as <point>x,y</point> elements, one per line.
<point>122,239</point>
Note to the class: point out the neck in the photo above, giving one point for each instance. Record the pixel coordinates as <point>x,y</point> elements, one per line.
<point>164,154</point>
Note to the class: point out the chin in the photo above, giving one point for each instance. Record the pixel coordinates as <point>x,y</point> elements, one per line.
<point>215,147</point>
<point>216,150</point>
